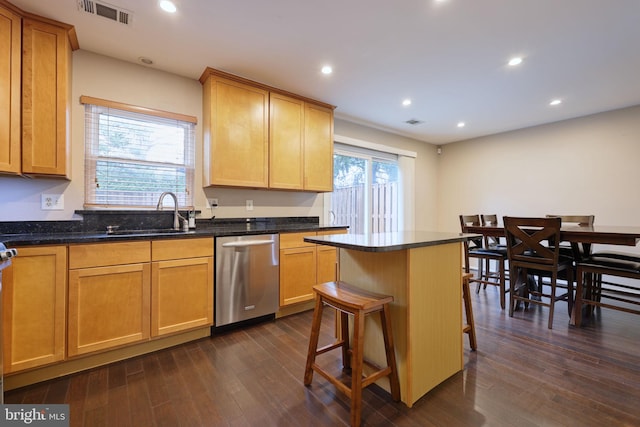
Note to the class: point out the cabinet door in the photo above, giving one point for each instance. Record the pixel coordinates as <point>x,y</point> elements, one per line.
<point>327,264</point>
<point>10,60</point>
<point>328,258</point>
<point>108,307</point>
<point>286,139</point>
<point>318,148</point>
<point>181,295</point>
<point>297,274</point>
<point>236,134</point>
<point>33,305</point>
<point>46,62</point>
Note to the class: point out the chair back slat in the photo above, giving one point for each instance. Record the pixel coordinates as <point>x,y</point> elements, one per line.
<point>532,241</point>
<point>471,220</point>
<point>488,221</point>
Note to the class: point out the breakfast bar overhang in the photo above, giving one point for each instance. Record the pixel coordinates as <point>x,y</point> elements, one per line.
<point>422,270</point>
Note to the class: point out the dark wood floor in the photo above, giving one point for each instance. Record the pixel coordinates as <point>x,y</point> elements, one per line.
<point>522,375</point>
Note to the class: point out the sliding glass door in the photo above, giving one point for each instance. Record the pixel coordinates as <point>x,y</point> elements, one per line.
<point>365,191</point>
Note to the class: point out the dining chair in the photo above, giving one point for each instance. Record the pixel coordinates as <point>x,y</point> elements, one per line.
<point>618,296</point>
<point>475,248</point>
<point>493,242</point>
<point>592,288</point>
<point>577,220</point>
<point>533,250</point>
<point>576,251</point>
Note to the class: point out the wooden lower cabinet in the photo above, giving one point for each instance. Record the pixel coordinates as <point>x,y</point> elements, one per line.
<point>33,303</point>
<point>108,307</point>
<point>109,297</point>
<point>327,259</point>
<point>303,264</point>
<point>181,289</point>
<point>297,274</point>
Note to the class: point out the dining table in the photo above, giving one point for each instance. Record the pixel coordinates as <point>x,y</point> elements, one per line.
<point>581,238</point>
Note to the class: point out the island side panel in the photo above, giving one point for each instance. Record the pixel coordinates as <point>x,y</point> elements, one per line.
<point>435,316</point>
<point>426,314</point>
<point>386,273</point>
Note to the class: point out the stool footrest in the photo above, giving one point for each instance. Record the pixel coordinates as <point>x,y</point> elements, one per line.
<point>333,380</point>
<point>330,347</point>
<point>366,380</point>
<point>375,376</point>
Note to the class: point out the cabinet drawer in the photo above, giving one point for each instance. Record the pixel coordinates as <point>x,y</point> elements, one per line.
<point>162,250</point>
<point>105,254</point>
<point>295,240</point>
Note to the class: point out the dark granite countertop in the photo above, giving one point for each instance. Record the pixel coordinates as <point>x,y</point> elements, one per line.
<point>63,232</point>
<point>386,242</point>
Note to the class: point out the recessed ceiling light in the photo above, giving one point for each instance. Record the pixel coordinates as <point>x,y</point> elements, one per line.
<point>406,102</point>
<point>168,6</point>
<point>461,124</point>
<point>556,102</point>
<point>327,69</point>
<point>515,61</point>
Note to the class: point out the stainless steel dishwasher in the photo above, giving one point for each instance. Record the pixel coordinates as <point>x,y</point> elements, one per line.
<point>247,277</point>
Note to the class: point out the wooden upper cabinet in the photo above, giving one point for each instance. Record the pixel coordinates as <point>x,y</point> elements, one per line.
<point>10,61</point>
<point>258,136</point>
<point>46,86</point>
<point>236,134</point>
<point>286,141</point>
<point>318,148</point>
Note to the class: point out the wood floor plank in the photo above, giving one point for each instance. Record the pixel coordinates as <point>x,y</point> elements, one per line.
<point>141,412</point>
<point>118,409</point>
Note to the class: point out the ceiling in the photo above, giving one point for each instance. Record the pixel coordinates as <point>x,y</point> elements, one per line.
<point>449,57</point>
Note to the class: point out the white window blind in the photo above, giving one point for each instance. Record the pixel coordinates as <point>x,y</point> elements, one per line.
<point>133,154</point>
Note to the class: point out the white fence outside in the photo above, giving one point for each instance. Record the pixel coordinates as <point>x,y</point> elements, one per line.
<point>348,207</point>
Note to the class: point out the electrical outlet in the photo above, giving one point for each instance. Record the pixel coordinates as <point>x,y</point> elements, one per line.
<point>249,205</point>
<point>52,202</point>
<point>213,203</point>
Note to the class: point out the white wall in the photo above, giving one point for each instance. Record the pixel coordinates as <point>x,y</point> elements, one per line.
<point>587,165</point>
<point>102,77</point>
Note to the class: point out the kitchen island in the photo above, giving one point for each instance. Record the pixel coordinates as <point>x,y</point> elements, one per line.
<point>422,270</point>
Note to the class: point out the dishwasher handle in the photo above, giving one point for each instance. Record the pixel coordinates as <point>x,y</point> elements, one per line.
<point>245,243</point>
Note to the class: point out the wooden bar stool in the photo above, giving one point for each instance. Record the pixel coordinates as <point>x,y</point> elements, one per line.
<point>349,300</point>
<point>470,327</point>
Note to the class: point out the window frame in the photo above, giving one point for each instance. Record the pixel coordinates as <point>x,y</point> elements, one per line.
<point>186,199</point>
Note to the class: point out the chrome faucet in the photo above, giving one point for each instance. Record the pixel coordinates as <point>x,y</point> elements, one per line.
<point>176,216</point>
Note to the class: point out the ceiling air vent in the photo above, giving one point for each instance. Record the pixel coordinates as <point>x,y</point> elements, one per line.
<point>414,122</point>
<point>99,8</point>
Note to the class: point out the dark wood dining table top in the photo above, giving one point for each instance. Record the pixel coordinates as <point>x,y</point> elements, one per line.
<point>602,234</point>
